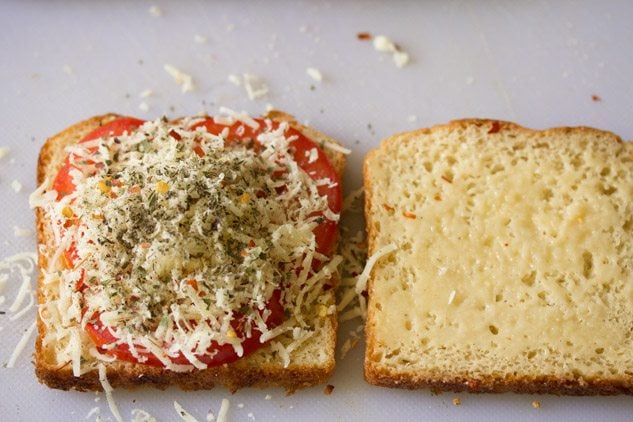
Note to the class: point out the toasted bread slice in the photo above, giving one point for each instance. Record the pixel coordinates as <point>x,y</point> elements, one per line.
<point>513,263</point>
<point>310,364</point>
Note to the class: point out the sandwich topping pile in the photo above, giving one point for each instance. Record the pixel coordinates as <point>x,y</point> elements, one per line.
<point>187,244</point>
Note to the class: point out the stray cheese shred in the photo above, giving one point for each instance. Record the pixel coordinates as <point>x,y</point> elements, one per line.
<point>107,389</point>
<point>184,415</point>
<point>224,410</point>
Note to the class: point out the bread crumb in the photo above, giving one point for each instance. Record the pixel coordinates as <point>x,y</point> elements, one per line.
<point>536,404</point>
<point>155,11</point>
<point>143,106</point>
<point>235,80</point>
<point>595,98</point>
<point>67,69</point>
<point>268,397</point>
<point>240,405</point>
<point>363,36</point>
<point>457,401</point>
<point>16,186</point>
<point>210,416</point>
<point>146,93</point>
<point>412,118</point>
<point>199,39</point>
<point>383,44</point>
<point>328,389</point>
<point>251,416</point>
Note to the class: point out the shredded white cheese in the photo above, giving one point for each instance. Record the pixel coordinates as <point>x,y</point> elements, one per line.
<point>107,389</point>
<point>336,147</point>
<point>181,78</point>
<point>385,45</point>
<point>140,415</point>
<point>4,151</point>
<point>20,232</point>
<point>254,85</point>
<point>184,415</point>
<point>16,186</point>
<point>155,11</point>
<point>361,283</point>
<point>20,346</point>
<point>224,410</point>
<point>315,74</point>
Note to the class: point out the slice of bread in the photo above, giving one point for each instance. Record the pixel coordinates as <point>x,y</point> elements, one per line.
<point>513,263</point>
<point>311,363</point>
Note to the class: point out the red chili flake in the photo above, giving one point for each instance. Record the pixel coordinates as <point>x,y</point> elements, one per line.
<point>363,36</point>
<point>328,389</point>
<point>388,207</point>
<point>251,243</point>
<point>198,150</point>
<point>175,135</point>
<point>446,179</point>
<point>496,126</point>
<point>595,98</point>
<point>407,214</point>
<point>437,197</point>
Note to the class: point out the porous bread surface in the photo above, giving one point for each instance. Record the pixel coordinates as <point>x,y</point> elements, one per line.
<point>514,267</point>
<point>312,362</point>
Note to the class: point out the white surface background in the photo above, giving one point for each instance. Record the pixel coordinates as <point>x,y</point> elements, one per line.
<point>534,62</point>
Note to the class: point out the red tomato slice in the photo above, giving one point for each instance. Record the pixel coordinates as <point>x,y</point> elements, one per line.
<point>325,234</point>
<point>217,354</point>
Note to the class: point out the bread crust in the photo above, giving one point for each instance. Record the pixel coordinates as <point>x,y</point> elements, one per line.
<point>456,382</point>
<point>245,372</point>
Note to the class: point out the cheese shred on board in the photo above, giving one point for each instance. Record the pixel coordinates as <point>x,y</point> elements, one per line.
<point>176,233</point>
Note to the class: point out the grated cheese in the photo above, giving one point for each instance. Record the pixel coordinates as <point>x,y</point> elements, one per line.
<point>107,389</point>
<point>224,410</point>
<point>336,147</point>
<point>385,45</point>
<point>140,415</point>
<point>20,346</point>
<point>254,85</point>
<point>16,186</point>
<point>184,415</point>
<point>200,39</point>
<point>155,11</point>
<point>361,283</point>
<point>314,74</point>
<point>181,78</point>
<point>19,232</point>
<point>4,151</point>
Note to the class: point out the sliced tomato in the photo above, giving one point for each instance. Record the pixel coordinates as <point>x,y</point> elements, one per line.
<point>217,354</point>
<point>321,168</point>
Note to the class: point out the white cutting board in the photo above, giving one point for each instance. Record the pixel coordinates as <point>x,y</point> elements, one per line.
<point>535,62</point>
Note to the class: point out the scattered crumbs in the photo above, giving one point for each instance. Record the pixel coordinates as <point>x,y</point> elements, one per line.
<point>536,404</point>
<point>401,59</point>
<point>268,397</point>
<point>140,415</point>
<point>251,416</point>
<point>303,29</point>
<point>143,106</point>
<point>457,401</point>
<point>291,407</point>
<point>230,27</point>
<point>328,389</point>
<point>412,118</point>
<point>16,186</point>
<point>451,297</point>
<point>470,80</point>
<point>146,93</point>
<point>181,78</point>
<point>210,416</point>
<point>199,39</point>
<point>269,107</point>
<point>67,69</point>
<point>595,98</point>
<point>363,36</point>
<point>155,11</point>
<point>4,151</point>
<point>19,232</point>
<point>315,74</point>
<point>240,405</point>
